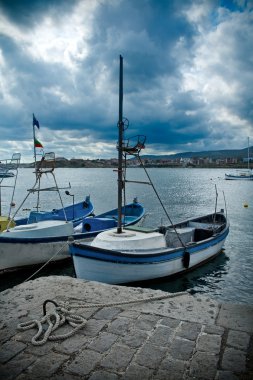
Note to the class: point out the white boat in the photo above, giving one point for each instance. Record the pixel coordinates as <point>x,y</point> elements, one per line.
<point>135,254</point>
<point>4,174</point>
<point>240,175</point>
<point>47,241</point>
<point>246,174</point>
<point>34,243</point>
<point>143,254</point>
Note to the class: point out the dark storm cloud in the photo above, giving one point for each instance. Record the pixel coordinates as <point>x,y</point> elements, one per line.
<point>187,73</point>
<point>29,12</point>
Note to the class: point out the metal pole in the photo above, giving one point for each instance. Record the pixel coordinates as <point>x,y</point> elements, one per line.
<point>34,148</point>
<point>248,153</point>
<point>120,158</point>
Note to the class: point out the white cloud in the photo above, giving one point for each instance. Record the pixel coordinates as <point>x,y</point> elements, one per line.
<point>217,75</point>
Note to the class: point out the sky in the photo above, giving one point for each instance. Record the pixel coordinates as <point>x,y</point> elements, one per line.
<point>188,75</point>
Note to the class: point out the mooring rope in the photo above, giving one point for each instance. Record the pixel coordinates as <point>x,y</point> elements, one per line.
<point>48,261</point>
<point>62,314</point>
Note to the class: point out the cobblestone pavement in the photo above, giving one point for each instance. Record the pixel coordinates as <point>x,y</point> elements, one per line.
<point>185,337</point>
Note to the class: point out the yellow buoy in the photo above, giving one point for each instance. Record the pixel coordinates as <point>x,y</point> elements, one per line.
<point>245,205</point>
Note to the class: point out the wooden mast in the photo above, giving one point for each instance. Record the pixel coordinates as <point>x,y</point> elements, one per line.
<point>120,142</point>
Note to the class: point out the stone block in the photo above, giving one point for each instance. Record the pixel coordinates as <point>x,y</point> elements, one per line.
<point>172,365</point>
<point>102,375</point>
<point>118,358</point>
<point>161,374</point>
<point>150,356</point>
<point>213,329</point>
<point>103,342</point>
<point>10,349</point>
<point>204,365</point>
<point>226,375</point>
<point>135,371</point>
<point>93,327</point>
<point>181,349</point>
<point>238,339</point>
<point>146,322</point>
<point>107,313</point>
<point>162,336</point>
<point>83,363</point>
<point>120,326</point>
<point>209,343</point>
<point>236,317</point>
<point>130,314</point>
<point>16,366</point>
<point>189,330</point>
<point>71,344</point>
<point>170,322</point>
<point>134,338</point>
<point>234,360</point>
<point>47,364</point>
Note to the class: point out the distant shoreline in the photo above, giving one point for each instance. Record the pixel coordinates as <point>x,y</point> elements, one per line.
<point>108,165</point>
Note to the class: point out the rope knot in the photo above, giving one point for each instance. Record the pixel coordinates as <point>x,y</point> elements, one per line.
<point>51,321</point>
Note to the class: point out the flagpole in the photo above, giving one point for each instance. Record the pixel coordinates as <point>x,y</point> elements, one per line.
<point>34,148</point>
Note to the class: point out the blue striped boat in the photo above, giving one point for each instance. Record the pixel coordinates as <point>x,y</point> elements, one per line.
<point>150,254</point>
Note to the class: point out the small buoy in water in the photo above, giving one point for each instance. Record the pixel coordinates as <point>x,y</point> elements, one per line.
<point>245,205</point>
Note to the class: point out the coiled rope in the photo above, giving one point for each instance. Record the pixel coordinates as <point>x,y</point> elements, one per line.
<point>61,314</point>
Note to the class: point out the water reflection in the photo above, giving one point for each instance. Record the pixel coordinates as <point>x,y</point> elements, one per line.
<point>210,276</point>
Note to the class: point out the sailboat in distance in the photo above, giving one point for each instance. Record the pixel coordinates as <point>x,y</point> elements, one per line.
<point>246,174</point>
<point>131,254</point>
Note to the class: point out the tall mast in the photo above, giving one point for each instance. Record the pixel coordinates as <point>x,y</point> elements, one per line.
<point>120,142</point>
<point>248,153</point>
<point>34,148</point>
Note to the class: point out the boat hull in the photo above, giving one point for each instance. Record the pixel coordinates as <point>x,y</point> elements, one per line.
<point>25,246</point>
<point>7,175</point>
<point>119,267</point>
<point>119,273</point>
<point>20,255</point>
<point>73,213</point>
<point>247,177</point>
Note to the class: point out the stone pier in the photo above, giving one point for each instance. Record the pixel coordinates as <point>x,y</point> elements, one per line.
<point>184,337</point>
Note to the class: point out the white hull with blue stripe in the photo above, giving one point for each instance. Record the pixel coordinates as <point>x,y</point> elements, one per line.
<point>246,176</point>
<point>145,255</point>
<point>37,243</point>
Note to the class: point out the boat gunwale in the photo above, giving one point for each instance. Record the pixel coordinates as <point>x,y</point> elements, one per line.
<point>78,236</point>
<point>109,255</point>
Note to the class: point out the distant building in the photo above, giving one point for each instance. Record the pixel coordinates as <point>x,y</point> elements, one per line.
<point>231,160</point>
<point>250,159</point>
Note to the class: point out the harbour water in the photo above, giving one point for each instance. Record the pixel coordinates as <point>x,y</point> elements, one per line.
<point>185,192</point>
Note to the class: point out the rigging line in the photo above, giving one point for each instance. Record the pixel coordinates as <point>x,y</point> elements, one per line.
<point>164,209</point>
<point>13,192</point>
<point>46,263</point>
<point>225,203</point>
<point>38,194</point>
<point>57,189</point>
<point>124,187</point>
<point>15,213</point>
<point>215,210</point>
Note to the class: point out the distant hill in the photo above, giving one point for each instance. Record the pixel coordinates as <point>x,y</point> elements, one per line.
<point>215,154</point>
